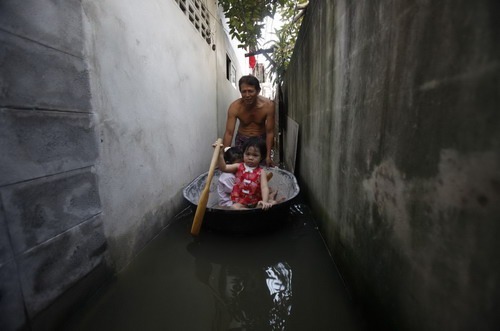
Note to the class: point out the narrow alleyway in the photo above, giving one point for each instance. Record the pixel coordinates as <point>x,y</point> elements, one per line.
<point>285,280</point>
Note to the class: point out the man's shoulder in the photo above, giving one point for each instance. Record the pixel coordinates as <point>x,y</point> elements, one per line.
<point>265,100</point>
<point>266,104</point>
<point>235,105</point>
<point>235,102</point>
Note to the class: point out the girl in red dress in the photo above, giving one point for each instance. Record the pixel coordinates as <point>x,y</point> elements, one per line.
<point>250,188</point>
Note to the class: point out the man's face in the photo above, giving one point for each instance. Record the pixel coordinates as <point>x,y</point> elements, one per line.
<point>248,94</point>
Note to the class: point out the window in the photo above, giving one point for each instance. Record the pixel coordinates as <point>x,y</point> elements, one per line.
<point>228,68</point>
<point>230,71</point>
<point>198,15</point>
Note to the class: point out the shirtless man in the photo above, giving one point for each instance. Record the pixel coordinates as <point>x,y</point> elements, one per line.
<point>256,116</point>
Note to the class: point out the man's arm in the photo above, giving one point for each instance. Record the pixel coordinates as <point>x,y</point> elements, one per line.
<point>269,133</point>
<point>230,125</point>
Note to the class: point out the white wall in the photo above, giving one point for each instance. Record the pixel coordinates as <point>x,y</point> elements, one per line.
<point>153,87</point>
<point>226,91</point>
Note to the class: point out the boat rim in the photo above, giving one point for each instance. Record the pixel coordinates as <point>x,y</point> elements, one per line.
<point>296,192</point>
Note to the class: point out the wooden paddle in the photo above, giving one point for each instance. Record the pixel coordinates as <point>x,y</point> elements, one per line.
<point>202,204</point>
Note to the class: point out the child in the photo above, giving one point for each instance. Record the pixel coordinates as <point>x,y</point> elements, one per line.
<point>250,189</point>
<point>226,180</point>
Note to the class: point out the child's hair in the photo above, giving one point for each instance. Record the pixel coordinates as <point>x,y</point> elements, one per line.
<point>232,154</point>
<point>257,142</point>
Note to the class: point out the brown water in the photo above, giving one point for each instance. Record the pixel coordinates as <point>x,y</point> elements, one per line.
<point>283,280</point>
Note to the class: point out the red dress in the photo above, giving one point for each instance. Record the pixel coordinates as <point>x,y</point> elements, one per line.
<point>246,188</point>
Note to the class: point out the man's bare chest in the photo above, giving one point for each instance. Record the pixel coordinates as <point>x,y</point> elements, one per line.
<point>249,117</point>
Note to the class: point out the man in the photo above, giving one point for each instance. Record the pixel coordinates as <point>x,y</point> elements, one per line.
<point>256,116</point>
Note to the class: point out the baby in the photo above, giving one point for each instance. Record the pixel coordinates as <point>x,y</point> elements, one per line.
<point>250,188</point>
<point>226,179</point>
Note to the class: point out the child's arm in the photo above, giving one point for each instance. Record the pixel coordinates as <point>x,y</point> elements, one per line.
<point>232,168</point>
<point>264,187</point>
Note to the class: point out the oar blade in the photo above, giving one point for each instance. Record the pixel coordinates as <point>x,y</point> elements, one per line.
<point>200,212</point>
<point>202,204</point>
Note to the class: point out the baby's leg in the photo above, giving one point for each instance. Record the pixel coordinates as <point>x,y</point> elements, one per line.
<point>272,194</point>
<point>273,202</point>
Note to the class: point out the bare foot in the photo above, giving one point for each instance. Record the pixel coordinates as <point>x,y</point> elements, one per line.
<point>237,206</point>
<point>278,201</point>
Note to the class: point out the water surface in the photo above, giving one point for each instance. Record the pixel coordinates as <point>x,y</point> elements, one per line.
<point>284,280</point>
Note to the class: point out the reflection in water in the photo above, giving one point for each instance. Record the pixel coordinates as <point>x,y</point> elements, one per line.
<point>249,298</point>
<point>279,283</point>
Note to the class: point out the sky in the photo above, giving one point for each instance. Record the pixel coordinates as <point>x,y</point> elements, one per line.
<point>268,35</point>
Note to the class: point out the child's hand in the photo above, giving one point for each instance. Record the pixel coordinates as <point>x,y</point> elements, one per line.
<point>221,146</point>
<point>264,205</point>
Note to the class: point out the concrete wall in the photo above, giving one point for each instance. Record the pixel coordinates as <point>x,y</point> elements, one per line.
<point>399,154</point>
<point>151,75</point>
<point>51,229</point>
<point>155,88</point>
<point>107,110</point>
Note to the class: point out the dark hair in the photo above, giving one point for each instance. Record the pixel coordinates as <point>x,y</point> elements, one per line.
<point>249,80</point>
<point>232,154</point>
<point>257,142</point>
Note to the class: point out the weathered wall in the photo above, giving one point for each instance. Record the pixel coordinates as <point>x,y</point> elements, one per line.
<point>399,154</point>
<point>51,229</point>
<point>107,110</point>
<point>155,85</point>
<point>152,80</point>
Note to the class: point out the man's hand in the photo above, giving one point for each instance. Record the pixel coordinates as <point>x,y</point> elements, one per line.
<point>269,162</point>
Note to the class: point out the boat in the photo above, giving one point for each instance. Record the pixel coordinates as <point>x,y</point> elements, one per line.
<point>247,221</point>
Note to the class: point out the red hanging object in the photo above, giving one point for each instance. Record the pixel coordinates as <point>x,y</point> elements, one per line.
<point>252,61</point>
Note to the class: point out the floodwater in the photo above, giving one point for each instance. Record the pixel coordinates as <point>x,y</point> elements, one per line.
<point>284,280</point>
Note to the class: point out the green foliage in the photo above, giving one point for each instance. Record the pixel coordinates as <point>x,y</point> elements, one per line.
<point>284,42</point>
<point>246,21</point>
<point>246,18</point>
